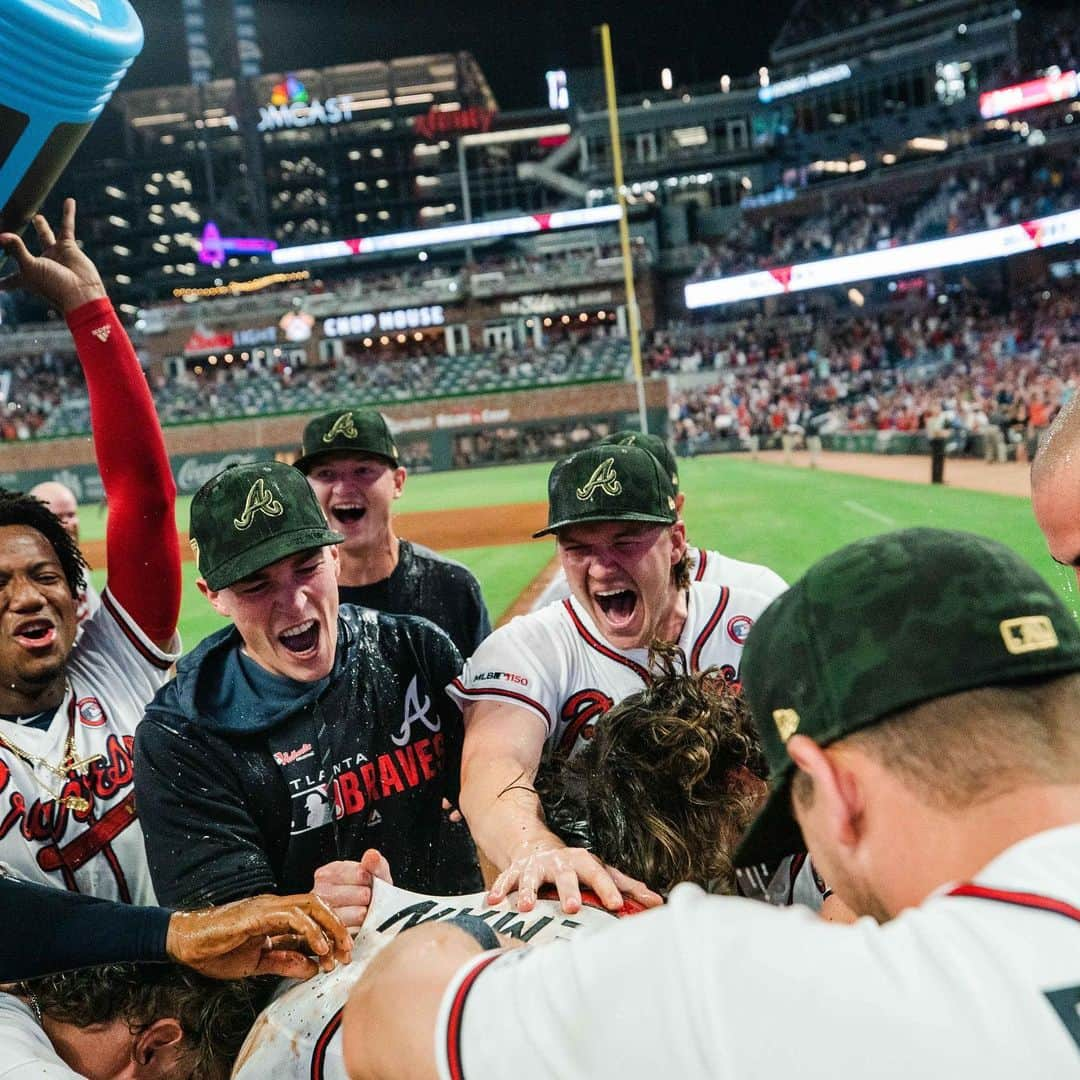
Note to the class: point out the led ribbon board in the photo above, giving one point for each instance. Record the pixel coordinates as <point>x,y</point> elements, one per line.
<point>887,262</point>
<point>1029,95</point>
<point>446,234</point>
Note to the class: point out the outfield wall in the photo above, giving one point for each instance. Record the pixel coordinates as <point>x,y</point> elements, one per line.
<point>432,435</point>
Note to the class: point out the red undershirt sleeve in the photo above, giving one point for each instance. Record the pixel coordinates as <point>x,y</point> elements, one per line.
<point>143,549</point>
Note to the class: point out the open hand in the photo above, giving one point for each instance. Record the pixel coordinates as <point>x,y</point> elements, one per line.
<point>62,273</point>
<point>567,869</point>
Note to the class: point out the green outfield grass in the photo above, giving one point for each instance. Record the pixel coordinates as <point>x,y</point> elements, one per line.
<point>785,518</point>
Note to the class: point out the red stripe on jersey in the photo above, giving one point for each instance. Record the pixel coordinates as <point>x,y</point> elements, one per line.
<point>1018,899</point>
<point>605,650</point>
<point>453,1025</point>
<point>699,575</point>
<point>710,626</point>
<point>493,691</point>
<point>140,646</point>
<point>318,1056</point>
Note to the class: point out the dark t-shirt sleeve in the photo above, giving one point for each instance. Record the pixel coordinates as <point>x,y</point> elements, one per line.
<point>202,844</point>
<point>71,931</point>
<point>480,622</point>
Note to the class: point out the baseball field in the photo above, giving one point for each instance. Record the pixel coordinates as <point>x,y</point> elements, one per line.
<point>760,511</point>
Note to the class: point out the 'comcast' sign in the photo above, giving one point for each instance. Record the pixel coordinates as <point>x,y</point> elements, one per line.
<point>291,106</point>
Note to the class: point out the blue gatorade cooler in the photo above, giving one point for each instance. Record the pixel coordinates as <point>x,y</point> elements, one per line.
<point>62,59</point>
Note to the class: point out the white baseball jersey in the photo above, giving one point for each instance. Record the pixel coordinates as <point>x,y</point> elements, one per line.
<point>708,566</point>
<point>27,1052</point>
<point>113,671</point>
<point>86,603</point>
<point>297,1035</point>
<point>556,664</point>
<point>982,980</point>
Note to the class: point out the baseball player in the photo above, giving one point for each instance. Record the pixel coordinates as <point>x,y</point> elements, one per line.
<point>535,689</point>
<point>68,716</point>
<point>298,1036</point>
<point>916,695</point>
<point>704,565</point>
<point>60,499</point>
<point>351,462</point>
<point>304,732</point>
<point>668,784</point>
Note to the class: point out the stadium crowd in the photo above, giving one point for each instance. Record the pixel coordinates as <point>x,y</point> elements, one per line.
<point>970,198</point>
<point>956,365</point>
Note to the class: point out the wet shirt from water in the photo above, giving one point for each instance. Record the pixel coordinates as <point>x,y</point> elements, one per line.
<point>236,805</point>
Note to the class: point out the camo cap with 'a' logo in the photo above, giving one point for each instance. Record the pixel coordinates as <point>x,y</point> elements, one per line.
<point>250,516</point>
<point>609,483</point>
<point>656,446</point>
<point>355,431</point>
<point>882,625</point>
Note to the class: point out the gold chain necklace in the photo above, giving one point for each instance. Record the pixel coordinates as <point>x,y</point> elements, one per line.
<point>69,763</point>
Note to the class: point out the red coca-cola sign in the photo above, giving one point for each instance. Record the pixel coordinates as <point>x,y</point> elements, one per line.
<point>208,341</point>
<point>436,122</point>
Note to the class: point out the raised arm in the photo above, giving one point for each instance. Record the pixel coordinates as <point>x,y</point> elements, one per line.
<point>503,746</point>
<point>141,540</point>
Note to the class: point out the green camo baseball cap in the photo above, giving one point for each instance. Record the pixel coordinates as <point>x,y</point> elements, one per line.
<point>882,625</point>
<point>249,516</point>
<point>608,483</point>
<point>358,431</point>
<point>653,443</point>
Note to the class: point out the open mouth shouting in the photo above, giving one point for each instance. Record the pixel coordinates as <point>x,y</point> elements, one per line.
<point>347,513</point>
<point>35,635</point>
<point>618,607</point>
<point>302,640</point>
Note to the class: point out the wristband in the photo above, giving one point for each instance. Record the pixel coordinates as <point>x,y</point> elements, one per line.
<point>477,929</point>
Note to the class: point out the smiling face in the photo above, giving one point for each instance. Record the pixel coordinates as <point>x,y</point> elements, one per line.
<point>287,613</point>
<point>37,619</point>
<point>356,493</point>
<point>621,573</point>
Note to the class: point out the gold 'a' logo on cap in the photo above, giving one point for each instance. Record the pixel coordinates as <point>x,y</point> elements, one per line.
<point>260,500</point>
<point>787,722</point>
<point>343,425</point>
<point>604,477</point>
<point>194,549</point>
<point>1029,633</point>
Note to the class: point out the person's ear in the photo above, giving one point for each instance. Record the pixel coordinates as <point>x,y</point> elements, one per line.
<point>837,798</point>
<point>214,596</point>
<point>678,542</point>
<point>158,1050</point>
<point>335,558</point>
<point>399,481</point>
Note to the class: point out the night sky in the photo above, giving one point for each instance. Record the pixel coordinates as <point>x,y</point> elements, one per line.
<point>515,41</point>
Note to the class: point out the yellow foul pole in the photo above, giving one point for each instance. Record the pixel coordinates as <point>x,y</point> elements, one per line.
<point>624,224</point>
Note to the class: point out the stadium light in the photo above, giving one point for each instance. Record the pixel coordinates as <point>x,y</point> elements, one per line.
<point>446,234</point>
<point>887,262</point>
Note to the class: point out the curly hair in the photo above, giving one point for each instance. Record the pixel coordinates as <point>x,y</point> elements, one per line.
<point>216,1016</point>
<point>19,509</point>
<point>669,782</point>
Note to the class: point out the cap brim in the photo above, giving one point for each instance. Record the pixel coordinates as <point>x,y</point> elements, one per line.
<point>305,462</point>
<point>269,551</point>
<point>774,833</point>
<point>652,519</point>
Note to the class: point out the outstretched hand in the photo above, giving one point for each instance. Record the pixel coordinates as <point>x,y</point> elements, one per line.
<point>62,273</point>
<point>568,869</point>
<point>264,935</point>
